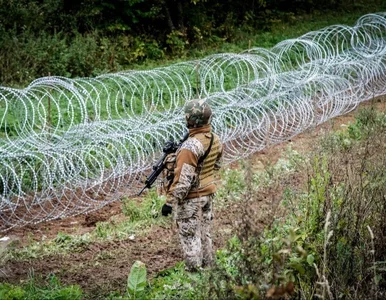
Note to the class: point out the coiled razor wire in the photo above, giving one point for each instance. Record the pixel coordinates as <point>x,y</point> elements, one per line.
<point>70,146</point>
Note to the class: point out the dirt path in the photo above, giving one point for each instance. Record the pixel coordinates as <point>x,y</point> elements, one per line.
<point>104,266</point>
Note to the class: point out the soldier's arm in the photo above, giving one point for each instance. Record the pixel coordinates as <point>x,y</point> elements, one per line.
<point>184,174</point>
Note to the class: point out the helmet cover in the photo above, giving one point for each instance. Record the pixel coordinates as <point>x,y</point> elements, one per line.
<point>197,113</point>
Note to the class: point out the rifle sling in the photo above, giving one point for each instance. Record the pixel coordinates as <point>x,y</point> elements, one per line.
<point>202,158</point>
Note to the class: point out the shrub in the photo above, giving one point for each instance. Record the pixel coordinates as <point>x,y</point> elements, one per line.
<point>331,242</point>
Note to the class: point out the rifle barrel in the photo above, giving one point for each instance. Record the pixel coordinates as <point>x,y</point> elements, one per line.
<point>139,194</point>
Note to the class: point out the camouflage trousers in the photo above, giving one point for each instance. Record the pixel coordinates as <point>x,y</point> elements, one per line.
<point>194,218</point>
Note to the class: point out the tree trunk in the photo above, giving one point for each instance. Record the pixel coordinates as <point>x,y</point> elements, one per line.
<point>169,18</point>
<point>180,11</point>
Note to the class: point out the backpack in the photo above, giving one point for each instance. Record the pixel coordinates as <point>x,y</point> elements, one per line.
<point>170,165</point>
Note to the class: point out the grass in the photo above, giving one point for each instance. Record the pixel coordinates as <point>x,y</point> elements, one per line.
<point>34,289</point>
<point>137,220</point>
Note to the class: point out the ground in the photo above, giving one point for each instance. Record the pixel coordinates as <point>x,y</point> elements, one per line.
<point>104,266</point>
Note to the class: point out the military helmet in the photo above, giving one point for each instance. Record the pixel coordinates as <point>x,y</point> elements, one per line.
<point>197,113</point>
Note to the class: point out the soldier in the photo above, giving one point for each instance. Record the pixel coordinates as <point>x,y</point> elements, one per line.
<point>192,189</point>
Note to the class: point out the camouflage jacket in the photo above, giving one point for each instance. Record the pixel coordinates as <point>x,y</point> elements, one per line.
<point>187,182</point>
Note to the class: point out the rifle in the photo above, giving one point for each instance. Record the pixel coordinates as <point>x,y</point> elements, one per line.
<point>170,147</point>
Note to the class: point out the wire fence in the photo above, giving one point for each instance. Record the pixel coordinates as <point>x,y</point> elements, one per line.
<point>70,146</point>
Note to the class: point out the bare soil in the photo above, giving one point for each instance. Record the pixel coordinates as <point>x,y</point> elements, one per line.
<point>104,266</point>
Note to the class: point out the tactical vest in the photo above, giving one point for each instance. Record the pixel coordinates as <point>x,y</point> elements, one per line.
<point>206,182</point>
<point>206,169</point>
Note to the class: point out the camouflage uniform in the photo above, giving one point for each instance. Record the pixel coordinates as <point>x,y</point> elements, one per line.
<point>193,188</point>
<point>194,219</point>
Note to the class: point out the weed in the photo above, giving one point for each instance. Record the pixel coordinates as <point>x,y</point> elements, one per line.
<point>150,207</point>
<point>176,283</point>
<point>233,184</point>
<point>322,248</point>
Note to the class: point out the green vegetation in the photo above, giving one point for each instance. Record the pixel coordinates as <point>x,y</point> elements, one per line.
<point>136,282</point>
<point>32,290</point>
<point>87,42</point>
<point>65,38</point>
<point>172,283</point>
<point>138,219</point>
<point>330,241</point>
<point>63,243</point>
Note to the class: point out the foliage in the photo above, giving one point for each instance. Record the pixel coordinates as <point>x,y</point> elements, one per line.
<point>136,281</point>
<point>177,42</point>
<point>33,55</point>
<point>150,206</point>
<point>331,242</point>
<point>172,283</point>
<point>232,186</point>
<point>31,290</point>
<point>176,283</point>
<point>357,204</point>
<point>69,38</point>
<point>140,216</point>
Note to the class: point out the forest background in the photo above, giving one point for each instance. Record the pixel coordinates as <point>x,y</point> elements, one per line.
<point>90,37</point>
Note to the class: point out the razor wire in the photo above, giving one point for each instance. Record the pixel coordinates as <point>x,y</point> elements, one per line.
<point>71,146</point>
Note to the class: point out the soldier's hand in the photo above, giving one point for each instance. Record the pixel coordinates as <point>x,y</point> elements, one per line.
<point>166,209</point>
